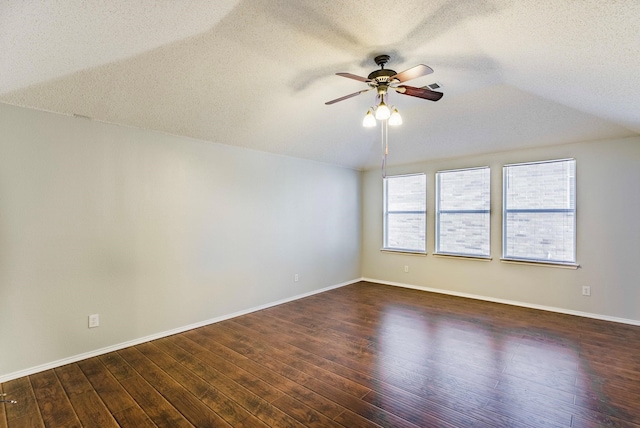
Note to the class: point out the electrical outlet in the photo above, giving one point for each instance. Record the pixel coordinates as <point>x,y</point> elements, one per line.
<point>94,321</point>
<point>406,269</point>
<point>295,278</point>
<point>586,290</point>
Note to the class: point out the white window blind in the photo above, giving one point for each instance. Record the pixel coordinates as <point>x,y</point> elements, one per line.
<point>463,203</point>
<point>405,205</point>
<point>539,211</point>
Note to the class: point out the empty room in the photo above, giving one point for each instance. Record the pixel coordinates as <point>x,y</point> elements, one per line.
<point>290,214</point>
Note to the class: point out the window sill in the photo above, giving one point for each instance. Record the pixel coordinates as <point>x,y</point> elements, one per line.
<point>459,256</point>
<point>403,252</point>
<point>546,264</point>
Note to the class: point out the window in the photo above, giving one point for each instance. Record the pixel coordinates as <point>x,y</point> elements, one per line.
<point>405,206</point>
<point>463,212</point>
<point>539,212</point>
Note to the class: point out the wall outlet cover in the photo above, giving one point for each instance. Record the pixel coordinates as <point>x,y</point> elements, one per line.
<point>94,320</point>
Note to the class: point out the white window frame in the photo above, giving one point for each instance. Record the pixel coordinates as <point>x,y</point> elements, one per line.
<point>386,213</point>
<point>440,211</point>
<point>506,210</point>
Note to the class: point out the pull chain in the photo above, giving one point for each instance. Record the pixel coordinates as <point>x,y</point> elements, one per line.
<point>384,137</point>
<point>3,400</point>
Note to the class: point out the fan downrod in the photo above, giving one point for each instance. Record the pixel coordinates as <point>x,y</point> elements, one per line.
<point>382,76</point>
<point>381,60</point>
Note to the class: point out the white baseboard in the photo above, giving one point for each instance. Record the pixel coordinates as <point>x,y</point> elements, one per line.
<point>509,302</point>
<point>106,350</point>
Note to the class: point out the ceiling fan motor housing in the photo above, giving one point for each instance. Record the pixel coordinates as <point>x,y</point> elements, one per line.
<point>381,76</point>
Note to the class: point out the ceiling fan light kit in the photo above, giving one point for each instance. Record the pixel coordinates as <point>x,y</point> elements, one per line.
<point>369,120</point>
<point>382,111</point>
<point>382,81</point>
<point>395,119</point>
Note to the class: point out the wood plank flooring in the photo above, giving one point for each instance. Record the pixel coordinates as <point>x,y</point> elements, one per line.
<point>364,355</point>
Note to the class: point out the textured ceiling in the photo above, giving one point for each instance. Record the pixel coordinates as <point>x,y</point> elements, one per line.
<point>256,73</point>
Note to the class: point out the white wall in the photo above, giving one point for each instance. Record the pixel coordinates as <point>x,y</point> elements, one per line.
<point>608,236</point>
<point>157,232</point>
<point>153,232</point>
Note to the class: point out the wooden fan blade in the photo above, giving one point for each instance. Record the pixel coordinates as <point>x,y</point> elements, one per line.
<point>354,77</point>
<point>347,96</point>
<point>425,93</point>
<point>412,73</point>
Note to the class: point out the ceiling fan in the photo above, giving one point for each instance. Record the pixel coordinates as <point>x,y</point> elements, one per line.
<point>384,79</point>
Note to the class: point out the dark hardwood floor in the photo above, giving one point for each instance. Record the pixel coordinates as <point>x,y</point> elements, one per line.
<point>363,355</point>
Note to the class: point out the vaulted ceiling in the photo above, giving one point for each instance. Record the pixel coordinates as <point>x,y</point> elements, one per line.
<point>256,73</point>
